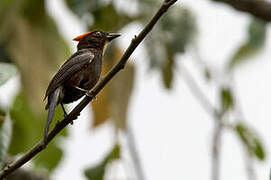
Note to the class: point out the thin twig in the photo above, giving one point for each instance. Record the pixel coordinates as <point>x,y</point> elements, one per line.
<point>251,175</point>
<point>249,163</point>
<point>215,114</point>
<point>198,93</point>
<point>217,136</point>
<point>134,154</point>
<point>76,111</point>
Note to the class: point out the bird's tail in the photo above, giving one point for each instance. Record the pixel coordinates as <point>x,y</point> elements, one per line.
<point>52,103</point>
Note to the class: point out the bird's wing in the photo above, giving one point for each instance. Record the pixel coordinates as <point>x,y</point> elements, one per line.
<point>75,63</point>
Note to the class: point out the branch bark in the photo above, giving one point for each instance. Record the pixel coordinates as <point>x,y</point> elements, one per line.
<point>76,111</point>
<point>260,9</point>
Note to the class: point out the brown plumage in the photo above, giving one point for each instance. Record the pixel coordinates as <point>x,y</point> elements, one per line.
<point>78,74</point>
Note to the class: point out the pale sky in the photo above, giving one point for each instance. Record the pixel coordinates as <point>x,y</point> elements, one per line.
<point>173,133</point>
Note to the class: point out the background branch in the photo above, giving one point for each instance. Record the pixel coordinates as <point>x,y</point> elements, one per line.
<point>76,111</point>
<point>197,92</point>
<point>260,9</point>
<point>216,115</point>
<point>134,153</point>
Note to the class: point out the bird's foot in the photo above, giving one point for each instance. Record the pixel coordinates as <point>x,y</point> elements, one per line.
<point>74,118</point>
<point>64,111</point>
<point>81,89</point>
<point>6,167</point>
<point>65,115</point>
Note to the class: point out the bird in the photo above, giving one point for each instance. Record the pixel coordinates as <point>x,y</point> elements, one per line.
<point>78,74</point>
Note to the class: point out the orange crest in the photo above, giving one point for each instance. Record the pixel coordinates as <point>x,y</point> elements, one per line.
<point>78,38</point>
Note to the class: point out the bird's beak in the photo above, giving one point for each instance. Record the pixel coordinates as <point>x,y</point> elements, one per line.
<point>111,36</point>
<point>78,38</point>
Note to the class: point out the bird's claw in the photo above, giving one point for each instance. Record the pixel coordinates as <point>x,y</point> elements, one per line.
<point>134,39</point>
<point>6,167</point>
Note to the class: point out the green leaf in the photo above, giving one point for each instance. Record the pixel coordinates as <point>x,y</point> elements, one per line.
<point>5,136</point>
<point>50,157</point>
<point>167,70</point>
<point>254,43</point>
<point>28,129</point>
<point>226,97</point>
<point>7,71</point>
<point>250,140</point>
<point>98,171</point>
<point>258,149</point>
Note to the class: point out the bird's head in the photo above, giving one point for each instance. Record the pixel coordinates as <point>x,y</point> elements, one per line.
<point>95,39</point>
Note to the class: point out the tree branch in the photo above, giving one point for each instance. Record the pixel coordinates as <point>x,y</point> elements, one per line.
<point>216,149</point>
<point>76,111</point>
<point>260,9</point>
<point>198,93</point>
<point>134,154</point>
<point>216,115</point>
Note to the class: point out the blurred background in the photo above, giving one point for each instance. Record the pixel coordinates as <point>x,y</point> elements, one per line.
<point>193,101</point>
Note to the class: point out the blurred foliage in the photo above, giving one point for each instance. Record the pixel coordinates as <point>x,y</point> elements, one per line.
<point>105,15</point>
<point>112,102</point>
<point>30,40</point>
<point>207,73</point>
<point>254,43</point>
<point>81,7</point>
<point>23,174</point>
<point>167,69</point>
<point>7,71</point>
<point>226,99</point>
<point>250,140</point>
<point>3,55</point>
<point>5,136</point>
<point>28,130</point>
<point>178,28</point>
<point>34,45</point>
<point>29,37</point>
<point>2,113</point>
<point>171,36</point>
<point>109,19</point>
<point>98,171</point>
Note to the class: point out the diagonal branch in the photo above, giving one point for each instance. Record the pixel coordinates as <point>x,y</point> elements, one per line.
<point>260,9</point>
<point>76,111</point>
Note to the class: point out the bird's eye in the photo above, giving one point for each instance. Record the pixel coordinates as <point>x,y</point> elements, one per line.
<point>99,33</point>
